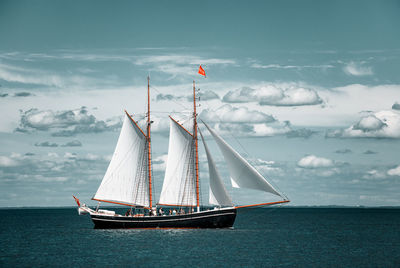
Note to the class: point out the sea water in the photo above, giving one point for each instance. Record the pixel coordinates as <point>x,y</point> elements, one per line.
<point>283,237</point>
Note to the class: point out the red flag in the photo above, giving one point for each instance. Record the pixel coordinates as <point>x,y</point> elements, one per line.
<point>77,201</point>
<point>201,71</point>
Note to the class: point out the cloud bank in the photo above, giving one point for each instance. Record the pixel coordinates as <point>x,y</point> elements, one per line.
<point>228,113</point>
<point>357,69</point>
<point>274,95</point>
<point>383,124</point>
<point>243,122</point>
<point>394,171</point>
<point>312,161</point>
<point>64,123</point>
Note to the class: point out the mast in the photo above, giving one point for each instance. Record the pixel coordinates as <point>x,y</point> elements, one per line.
<point>196,147</point>
<point>149,141</point>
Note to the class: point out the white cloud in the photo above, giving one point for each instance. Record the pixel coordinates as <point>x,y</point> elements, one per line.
<point>6,161</point>
<point>299,67</point>
<point>357,69</point>
<point>203,96</point>
<point>65,123</point>
<point>374,174</point>
<point>69,155</point>
<point>383,124</point>
<point>16,74</point>
<point>312,161</point>
<point>207,95</point>
<point>228,119</point>
<point>159,163</point>
<point>275,95</point>
<point>394,171</point>
<point>229,114</point>
<point>159,125</point>
<point>176,64</point>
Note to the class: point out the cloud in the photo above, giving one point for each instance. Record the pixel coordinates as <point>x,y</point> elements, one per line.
<point>268,167</point>
<point>208,95</point>
<point>229,114</point>
<point>46,144</point>
<point>23,94</point>
<point>204,96</point>
<point>343,151</point>
<point>252,130</point>
<point>300,133</point>
<point>51,168</point>
<point>312,161</point>
<point>396,106</point>
<point>160,124</point>
<point>357,69</point>
<point>159,163</point>
<point>383,124</point>
<point>228,119</point>
<point>369,152</point>
<point>374,174</point>
<point>177,64</point>
<point>394,171</point>
<point>64,123</point>
<point>274,95</point>
<point>6,161</point>
<point>168,97</point>
<point>74,143</point>
<point>298,67</point>
<point>50,78</point>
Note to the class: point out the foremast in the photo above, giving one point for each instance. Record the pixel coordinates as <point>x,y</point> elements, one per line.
<point>128,179</point>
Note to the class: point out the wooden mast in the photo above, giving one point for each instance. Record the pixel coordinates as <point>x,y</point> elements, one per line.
<point>196,148</point>
<point>149,141</point>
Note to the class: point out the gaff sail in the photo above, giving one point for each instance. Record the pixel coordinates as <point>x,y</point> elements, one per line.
<point>179,187</point>
<point>126,180</point>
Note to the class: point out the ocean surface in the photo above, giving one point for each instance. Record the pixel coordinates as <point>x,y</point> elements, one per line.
<point>280,237</point>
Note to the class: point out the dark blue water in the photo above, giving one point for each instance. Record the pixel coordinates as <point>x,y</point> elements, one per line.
<point>284,237</point>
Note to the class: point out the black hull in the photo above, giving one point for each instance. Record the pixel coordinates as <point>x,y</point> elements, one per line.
<point>223,218</point>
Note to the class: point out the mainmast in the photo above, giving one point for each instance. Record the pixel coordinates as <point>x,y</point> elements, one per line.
<point>196,147</point>
<point>149,141</point>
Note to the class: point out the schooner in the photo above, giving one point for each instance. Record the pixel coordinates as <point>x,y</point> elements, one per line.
<point>128,180</point>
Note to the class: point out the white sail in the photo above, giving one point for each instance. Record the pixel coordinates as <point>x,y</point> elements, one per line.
<point>179,187</point>
<point>217,194</point>
<point>126,179</point>
<point>243,175</point>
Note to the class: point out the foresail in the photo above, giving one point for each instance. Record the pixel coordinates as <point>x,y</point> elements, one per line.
<point>179,187</point>
<point>243,175</point>
<point>217,194</point>
<point>126,180</point>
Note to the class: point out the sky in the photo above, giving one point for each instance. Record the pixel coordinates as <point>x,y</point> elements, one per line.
<point>308,91</point>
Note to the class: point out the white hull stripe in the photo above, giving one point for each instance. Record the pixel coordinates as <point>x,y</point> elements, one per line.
<point>162,220</point>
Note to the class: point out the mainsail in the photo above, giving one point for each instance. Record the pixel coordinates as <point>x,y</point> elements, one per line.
<point>217,192</point>
<point>179,187</point>
<point>243,175</point>
<point>126,180</point>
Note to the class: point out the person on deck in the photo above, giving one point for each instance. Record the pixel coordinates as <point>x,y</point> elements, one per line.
<point>128,212</point>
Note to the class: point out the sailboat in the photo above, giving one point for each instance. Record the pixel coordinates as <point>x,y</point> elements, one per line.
<point>128,180</point>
